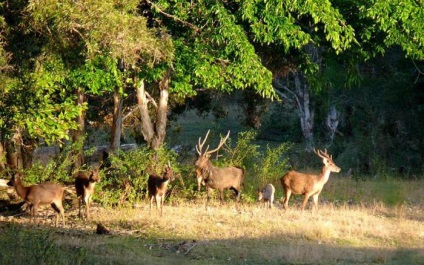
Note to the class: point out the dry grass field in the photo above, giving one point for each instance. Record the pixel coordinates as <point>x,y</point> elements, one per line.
<point>368,228</point>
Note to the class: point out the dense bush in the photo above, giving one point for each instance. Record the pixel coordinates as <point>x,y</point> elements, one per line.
<point>125,181</point>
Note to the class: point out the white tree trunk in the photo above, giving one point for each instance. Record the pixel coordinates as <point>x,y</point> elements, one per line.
<point>332,123</point>
<point>305,112</point>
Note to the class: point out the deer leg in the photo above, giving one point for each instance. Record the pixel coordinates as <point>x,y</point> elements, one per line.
<point>158,202</point>
<point>79,206</point>
<point>208,196</point>
<point>199,183</point>
<point>305,200</point>
<point>151,201</point>
<point>315,198</point>
<point>286,199</point>
<point>58,208</point>
<point>238,195</point>
<point>31,213</point>
<point>34,213</point>
<point>87,206</point>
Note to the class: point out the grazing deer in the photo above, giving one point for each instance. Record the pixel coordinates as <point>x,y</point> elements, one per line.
<point>41,194</point>
<point>308,184</point>
<point>84,186</point>
<point>267,195</point>
<point>158,186</point>
<point>216,177</point>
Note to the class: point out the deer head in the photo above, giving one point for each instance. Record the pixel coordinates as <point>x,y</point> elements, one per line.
<point>169,172</point>
<point>203,160</point>
<point>327,160</point>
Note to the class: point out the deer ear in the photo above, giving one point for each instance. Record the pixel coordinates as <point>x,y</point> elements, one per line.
<point>325,161</point>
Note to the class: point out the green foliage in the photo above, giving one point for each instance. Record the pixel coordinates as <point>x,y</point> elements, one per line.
<point>57,169</point>
<point>260,166</point>
<point>400,21</point>
<point>271,165</point>
<point>277,22</point>
<point>125,182</point>
<point>117,31</point>
<point>97,75</point>
<point>245,151</point>
<point>213,52</point>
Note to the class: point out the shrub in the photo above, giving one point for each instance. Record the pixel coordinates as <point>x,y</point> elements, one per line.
<point>125,182</point>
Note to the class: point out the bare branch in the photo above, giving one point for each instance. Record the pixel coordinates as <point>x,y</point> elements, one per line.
<point>193,27</point>
<point>279,84</point>
<point>129,113</point>
<point>419,72</point>
<point>151,99</point>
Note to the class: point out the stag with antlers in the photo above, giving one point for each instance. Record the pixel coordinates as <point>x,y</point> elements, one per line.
<point>308,184</point>
<point>218,178</point>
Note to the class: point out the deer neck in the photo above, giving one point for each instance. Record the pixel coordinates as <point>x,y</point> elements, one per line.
<point>207,171</point>
<point>325,174</point>
<point>20,188</point>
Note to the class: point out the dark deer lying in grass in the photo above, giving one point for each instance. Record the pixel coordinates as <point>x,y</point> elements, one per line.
<point>216,177</point>
<point>267,195</point>
<point>84,186</point>
<point>158,186</point>
<point>41,194</point>
<point>308,184</point>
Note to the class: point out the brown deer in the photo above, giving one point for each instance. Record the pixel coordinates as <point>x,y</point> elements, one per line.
<point>216,177</point>
<point>41,194</point>
<point>308,184</point>
<point>199,179</point>
<point>158,186</point>
<point>84,186</point>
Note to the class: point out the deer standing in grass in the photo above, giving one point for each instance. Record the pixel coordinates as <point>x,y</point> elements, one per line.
<point>41,194</point>
<point>158,186</point>
<point>84,186</point>
<point>217,177</point>
<point>267,195</point>
<point>308,184</point>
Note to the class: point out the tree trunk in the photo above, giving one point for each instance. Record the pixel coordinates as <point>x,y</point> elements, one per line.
<point>162,112</point>
<point>332,123</point>
<point>252,108</point>
<point>115,140</point>
<point>146,123</point>
<point>154,134</point>
<point>13,152</point>
<point>305,112</point>
<point>77,135</point>
<point>2,158</point>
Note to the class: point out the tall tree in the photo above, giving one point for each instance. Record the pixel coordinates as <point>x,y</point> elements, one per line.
<point>82,31</point>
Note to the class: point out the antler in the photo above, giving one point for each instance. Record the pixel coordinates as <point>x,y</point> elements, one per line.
<point>323,154</point>
<point>199,146</point>
<point>221,143</point>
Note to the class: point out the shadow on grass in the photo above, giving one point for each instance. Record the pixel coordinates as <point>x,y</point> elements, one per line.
<point>23,244</point>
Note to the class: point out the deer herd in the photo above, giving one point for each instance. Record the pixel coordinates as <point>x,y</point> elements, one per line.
<point>208,175</point>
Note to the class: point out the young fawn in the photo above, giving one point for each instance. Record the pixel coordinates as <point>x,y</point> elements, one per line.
<point>308,184</point>
<point>267,195</point>
<point>84,186</point>
<point>41,194</point>
<point>158,186</point>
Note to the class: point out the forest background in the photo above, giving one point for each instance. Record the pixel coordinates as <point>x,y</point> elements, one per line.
<point>133,84</point>
<point>284,77</point>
